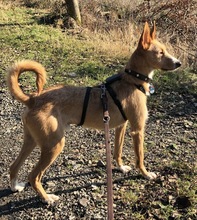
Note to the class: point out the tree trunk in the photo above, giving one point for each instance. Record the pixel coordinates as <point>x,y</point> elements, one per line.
<point>73,10</point>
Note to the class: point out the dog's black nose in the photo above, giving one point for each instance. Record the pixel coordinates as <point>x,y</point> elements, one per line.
<point>178,64</point>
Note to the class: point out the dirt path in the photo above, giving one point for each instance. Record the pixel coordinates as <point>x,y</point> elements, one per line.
<point>78,175</point>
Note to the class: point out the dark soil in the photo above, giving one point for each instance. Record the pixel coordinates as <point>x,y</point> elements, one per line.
<point>78,175</point>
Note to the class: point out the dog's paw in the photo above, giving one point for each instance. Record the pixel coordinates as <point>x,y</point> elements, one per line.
<point>51,199</point>
<point>124,168</point>
<point>151,176</point>
<point>17,187</point>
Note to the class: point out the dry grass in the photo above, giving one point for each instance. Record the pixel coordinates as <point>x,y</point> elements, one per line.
<point>114,24</point>
<point>117,20</point>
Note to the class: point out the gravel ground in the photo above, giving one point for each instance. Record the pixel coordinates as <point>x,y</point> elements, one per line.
<point>78,175</point>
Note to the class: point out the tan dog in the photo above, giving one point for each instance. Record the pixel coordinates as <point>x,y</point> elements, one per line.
<point>49,111</point>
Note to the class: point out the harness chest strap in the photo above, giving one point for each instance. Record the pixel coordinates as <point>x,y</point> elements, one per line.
<point>116,100</point>
<point>85,105</point>
<point>113,96</point>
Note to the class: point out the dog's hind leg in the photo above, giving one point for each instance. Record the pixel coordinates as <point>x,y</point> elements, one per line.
<point>48,155</point>
<point>28,146</point>
<point>119,141</point>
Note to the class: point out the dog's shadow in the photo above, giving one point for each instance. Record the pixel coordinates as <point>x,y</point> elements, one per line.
<point>17,206</point>
<point>35,202</point>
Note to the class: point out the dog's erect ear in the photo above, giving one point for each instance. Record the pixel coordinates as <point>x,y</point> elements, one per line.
<point>153,31</point>
<point>145,38</point>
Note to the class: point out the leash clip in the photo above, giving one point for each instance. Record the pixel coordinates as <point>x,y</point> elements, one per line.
<point>106,118</point>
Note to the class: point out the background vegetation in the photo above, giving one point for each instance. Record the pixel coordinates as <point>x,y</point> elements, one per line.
<point>110,30</point>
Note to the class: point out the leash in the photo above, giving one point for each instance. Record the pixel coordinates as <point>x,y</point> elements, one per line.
<point>106,119</point>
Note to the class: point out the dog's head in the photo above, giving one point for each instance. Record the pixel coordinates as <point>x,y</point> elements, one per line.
<point>155,52</point>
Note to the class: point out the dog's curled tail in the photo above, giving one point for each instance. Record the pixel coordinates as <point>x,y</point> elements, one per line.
<point>13,76</point>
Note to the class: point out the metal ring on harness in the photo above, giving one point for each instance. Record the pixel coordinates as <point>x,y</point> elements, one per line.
<point>106,118</point>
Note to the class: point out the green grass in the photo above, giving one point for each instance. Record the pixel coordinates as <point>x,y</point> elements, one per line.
<point>182,79</point>
<point>22,38</point>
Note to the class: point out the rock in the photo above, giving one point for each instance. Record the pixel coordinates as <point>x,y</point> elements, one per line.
<point>183,202</point>
<point>94,187</point>
<point>83,202</point>
<point>51,184</point>
<point>72,74</point>
<point>100,163</point>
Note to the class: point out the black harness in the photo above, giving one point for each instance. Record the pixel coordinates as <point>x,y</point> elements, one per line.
<point>112,93</point>
<point>85,105</point>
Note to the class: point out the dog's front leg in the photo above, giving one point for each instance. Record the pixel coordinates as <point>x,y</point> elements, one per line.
<point>138,140</point>
<point>119,140</point>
